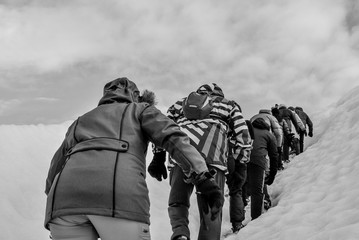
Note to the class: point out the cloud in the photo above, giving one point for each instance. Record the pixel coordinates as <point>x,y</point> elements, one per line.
<point>6,106</point>
<point>259,52</point>
<point>46,99</point>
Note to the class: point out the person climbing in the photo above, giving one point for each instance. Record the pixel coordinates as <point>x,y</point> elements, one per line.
<point>285,132</point>
<point>209,133</point>
<point>96,184</point>
<point>306,122</point>
<point>290,118</point>
<point>264,144</point>
<point>274,127</point>
<point>236,179</point>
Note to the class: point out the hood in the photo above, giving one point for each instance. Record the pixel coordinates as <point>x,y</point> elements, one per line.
<point>149,97</point>
<point>120,90</point>
<point>212,90</point>
<point>277,114</point>
<point>275,111</point>
<point>267,111</point>
<point>282,106</point>
<point>260,123</point>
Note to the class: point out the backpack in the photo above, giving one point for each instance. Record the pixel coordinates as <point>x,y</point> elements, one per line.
<point>197,106</point>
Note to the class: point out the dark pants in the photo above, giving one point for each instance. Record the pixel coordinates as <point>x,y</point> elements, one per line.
<point>179,203</point>
<point>286,145</point>
<point>280,162</point>
<point>265,192</point>
<point>255,178</point>
<point>235,181</point>
<point>301,142</point>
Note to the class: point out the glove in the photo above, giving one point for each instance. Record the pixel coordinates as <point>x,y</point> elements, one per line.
<point>310,134</point>
<point>157,168</point>
<point>290,137</point>
<point>209,193</point>
<point>270,177</point>
<point>305,132</point>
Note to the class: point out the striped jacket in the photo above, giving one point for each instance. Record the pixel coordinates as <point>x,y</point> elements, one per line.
<point>211,136</point>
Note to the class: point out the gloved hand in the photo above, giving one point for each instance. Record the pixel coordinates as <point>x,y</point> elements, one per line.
<point>209,193</point>
<point>290,137</point>
<point>305,132</point>
<point>270,177</point>
<point>157,168</point>
<point>310,134</point>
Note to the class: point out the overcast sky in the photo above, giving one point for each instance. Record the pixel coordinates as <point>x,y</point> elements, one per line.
<point>55,56</point>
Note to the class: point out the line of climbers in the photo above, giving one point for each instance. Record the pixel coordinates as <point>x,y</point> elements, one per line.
<point>236,149</point>
<point>96,185</point>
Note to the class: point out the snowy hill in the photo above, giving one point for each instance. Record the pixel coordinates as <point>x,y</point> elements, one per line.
<point>315,197</point>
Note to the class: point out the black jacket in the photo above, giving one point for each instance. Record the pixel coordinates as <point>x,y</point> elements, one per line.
<point>264,144</point>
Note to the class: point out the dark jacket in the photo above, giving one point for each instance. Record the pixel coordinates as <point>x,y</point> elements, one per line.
<point>289,117</point>
<point>264,144</point>
<point>100,168</point>
<point>272,122</point>
<point>305,118</point>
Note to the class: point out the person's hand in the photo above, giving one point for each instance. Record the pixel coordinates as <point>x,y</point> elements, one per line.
<point>290,137</point>
<point>310,134</point>
<point>305,132</point>
<point>211,197</point>
<point>279,150</point>
<point>157,168</point>
<point>270,178</point>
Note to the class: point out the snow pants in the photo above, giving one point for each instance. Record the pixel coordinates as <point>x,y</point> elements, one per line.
<point>91,227</point>
<point>235,182</point>
<point>255,178</point>
<point>179,203</point>
<point>301,142</point>
<point>280,160</point>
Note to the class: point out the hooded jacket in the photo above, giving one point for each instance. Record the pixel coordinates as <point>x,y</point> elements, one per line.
<point>272,122</point>
<point>100,168</point>
<point>289,117</point>
<point>305,118</point>
<point>282,123</point>
<point>210,136</point>
<point>264,144</point>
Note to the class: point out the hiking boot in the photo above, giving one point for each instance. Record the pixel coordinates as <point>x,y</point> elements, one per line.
<point>237,227</point>
<point>267,204</point>
<point>181,238</point>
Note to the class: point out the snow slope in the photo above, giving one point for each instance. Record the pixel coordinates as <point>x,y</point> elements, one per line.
<point>315,197</point>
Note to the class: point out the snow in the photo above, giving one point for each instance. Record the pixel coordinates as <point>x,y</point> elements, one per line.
<point>315,197</point>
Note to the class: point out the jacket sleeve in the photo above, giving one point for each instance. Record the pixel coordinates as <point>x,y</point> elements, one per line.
<point>300,124</point>
<point>276,129</point>
<point>286,130</point>
<point>165,133</point>
<point>310,124</point>
<point>243,142</point>
<point>58,160</point>
<point>272,152</point>
<point>294,120</point>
